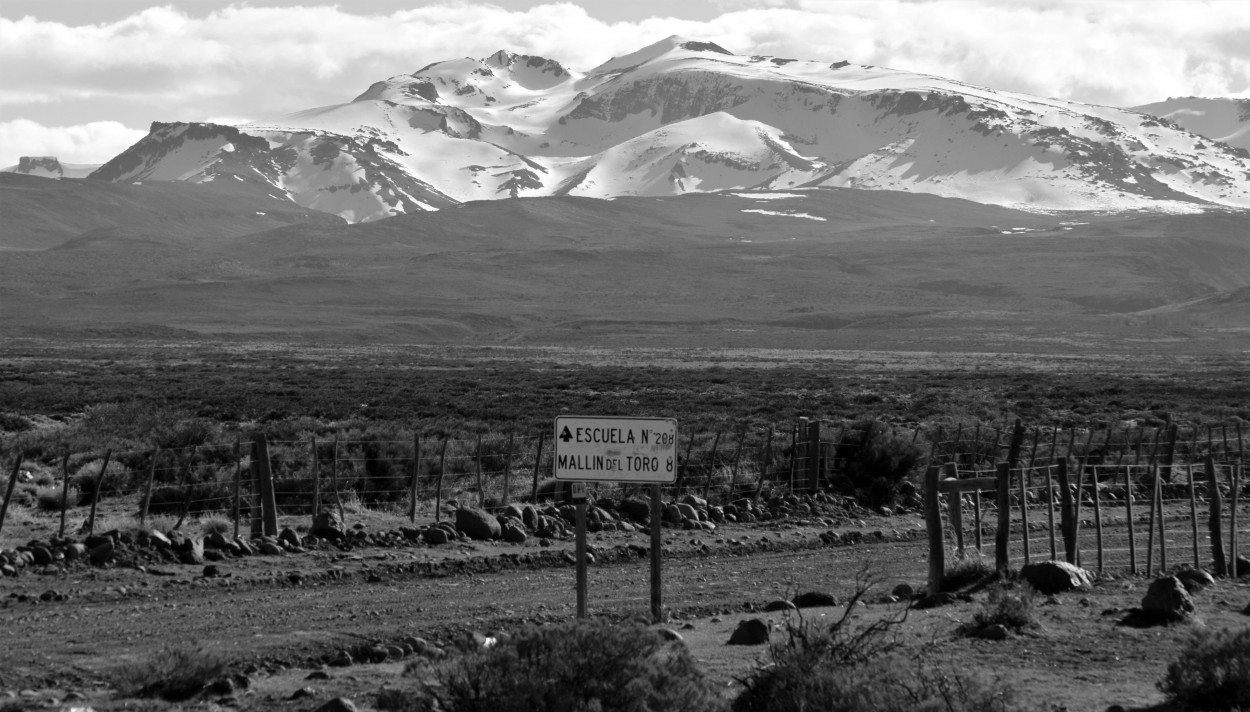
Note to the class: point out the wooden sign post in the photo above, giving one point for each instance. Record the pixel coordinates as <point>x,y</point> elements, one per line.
<point>608,449</point>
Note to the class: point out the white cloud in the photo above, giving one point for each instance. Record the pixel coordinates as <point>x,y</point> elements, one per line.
<point>163,64</point>
<point>95,142</point>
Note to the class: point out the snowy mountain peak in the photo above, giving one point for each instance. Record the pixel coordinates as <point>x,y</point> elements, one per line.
<point>672,47</point>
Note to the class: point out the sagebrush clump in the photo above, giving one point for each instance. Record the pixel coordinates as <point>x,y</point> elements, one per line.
<point>1212,671</point>
<point>174,674</point>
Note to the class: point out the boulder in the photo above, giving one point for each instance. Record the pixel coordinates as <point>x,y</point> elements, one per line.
<point>693,501</point>
<point>779,605</point>
<point>514,511</point>
<point>242,547</point>
<point>688,512</point>
<point>814,599</point>
<point>338,704</point>
<point>635,509</point>
<point>1051,577</point>
<point>41,555</point>
<point>190,551</point>
<point>751,631</point>
<point>1167,599</point>
<point>903,591</point>
<point>327,525</point>
<point>102,553</point>
<point>477,524</point>
<point>158,539</point>
<point>288,538</point>
<point>530,517</point>
<point>75,551</point>
<point>435,536</point>
<point>514,534</point>
<point>1239,567</point>
<point>268,548</point>
<point>1194,580</point>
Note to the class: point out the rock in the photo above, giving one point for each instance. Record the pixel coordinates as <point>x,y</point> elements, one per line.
<point>693,501</point>
<point>514,511</point>
<point>814,599</point>
<point>996,631</point>
<point>102,553</point>
<point>637,510</point>
<point>1167,599</point>
<point>191,551</point>
<point>41,555</point>
<point>687,511</point>
<point>287,537</point>
<point>8,570</point>
<point>75,551</point>
<point>395,652</point>
<point>779,605</point>
<point>342,659</point>
<point>1239,567</point>
<point>268,548</point>
<point>317,675</point>
<point>158,539</point>
<point>338,704</point>
<point>435,536</point>
<point>301,693</point>
<point>1195,580</point>
<point>327,525</point>
<point>243,548</point>
<point>514,534</point>
<point>903,591</point>
<point>530,517</point>
<point>476,524</point>
<point>751,631</point>
<point>211,571</point>
<point>668,634</point>
<point>1051,577</point>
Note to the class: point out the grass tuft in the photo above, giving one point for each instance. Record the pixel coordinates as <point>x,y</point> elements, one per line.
<point>175,674</point>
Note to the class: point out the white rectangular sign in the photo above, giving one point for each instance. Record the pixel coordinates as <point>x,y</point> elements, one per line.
<point>604,448</point>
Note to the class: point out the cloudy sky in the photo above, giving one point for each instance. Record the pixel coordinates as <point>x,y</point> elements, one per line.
<point>83,79</point>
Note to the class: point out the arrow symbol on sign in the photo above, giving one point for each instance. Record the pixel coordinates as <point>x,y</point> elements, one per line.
<point>565,435</point>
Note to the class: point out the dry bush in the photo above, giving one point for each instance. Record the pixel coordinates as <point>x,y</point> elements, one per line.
<point>969,568</point>
<point>587,665</point>
<point>49,499</point>
<point>878,460</point>
<point>1008,607</point>
<point>1212,671</point>
<point>174,674</point>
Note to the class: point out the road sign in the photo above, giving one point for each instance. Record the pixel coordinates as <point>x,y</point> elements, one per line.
<point>602,448</point>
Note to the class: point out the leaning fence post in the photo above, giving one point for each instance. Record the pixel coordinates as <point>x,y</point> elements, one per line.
<point>711,467</point>
<point>1065,512</point>
<point>1216,518</point>
<point>1004,517</point>
<point>8,492</point>
<point>1024,519</point>
<point>438,484</point>
<point>933,522</point>
<point>64,492</point>
<point>95,496</point>
<point>538,458</point>
<point>147,490</point>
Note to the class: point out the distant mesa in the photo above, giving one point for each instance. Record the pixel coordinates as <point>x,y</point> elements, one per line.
<point>50,167</point>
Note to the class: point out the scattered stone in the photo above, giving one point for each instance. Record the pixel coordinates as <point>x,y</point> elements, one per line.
<point>158,539</point>
<point>287,537</point>
<point>268,548</point>
<point>903,591</point>
<point>1051,577</point>
<point>191,551</point>
<point>996,631</point>
<point>338,704</point>
<point>102,553</point>
<point>435,536</point>
<point>1167,600</point>
<point>41,555</point>
<point>342,659</point>
<point>75,551</point>
<point>327,525</point>
<point>814,599</point>
<point>395,651</point>
<point>514,534</point>
<point>779,605</point>
<point>478,525</point>
<point>668,634</point>
<point>635,509</point>
<point>1239,567</point>
<point>317,675</point>
<point>751,631</point>
<point>1195,580</point>
<point>303,692</point>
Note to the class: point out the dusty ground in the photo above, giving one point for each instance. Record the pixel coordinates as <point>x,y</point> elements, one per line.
<point>279,631</point>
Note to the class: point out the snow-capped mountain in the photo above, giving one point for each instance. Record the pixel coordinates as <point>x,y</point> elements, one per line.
<point>684,116</point>
<point>1225,120</point>
<point>50,167</point>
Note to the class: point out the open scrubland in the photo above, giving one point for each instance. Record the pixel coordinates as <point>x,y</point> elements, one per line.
<point>390,619</point>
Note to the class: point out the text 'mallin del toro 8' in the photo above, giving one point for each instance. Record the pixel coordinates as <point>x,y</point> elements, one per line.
<point>604,448</point>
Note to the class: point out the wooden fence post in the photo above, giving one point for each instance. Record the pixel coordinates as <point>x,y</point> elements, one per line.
<point>1065,513</point>
<point>955,509</point>
<point>1217,516</point>
<point>507,473</point>
<point>767,461</point>
<point>794,443</point>
<point>538,458</point>
<point>147,490</point>
<point>95,496</point>
<point>1154,508</point>
<point>334,480</point>
<point>685,464</point>
<point>1024,516</point>
<point>264,483</point>
<point>238,479</point>
<point>481,491</point>
<point>1232,521</point>
<point>1003,537</point>
<point>1170,454</point>
<point>711,467</point>
<point>8,491</point>
<point>416,473</point>
<point>1093,479</point>
<point>813,454</point>
<point>316,478</point>
<point>733,473</point>
<point>438,484</point>
<point>64,492</point>
<point>1017,441</point>
<point>933,523</point>
<point>1193,513</point>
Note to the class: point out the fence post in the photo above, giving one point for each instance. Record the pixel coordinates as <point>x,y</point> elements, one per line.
<point>316,477</point>
<point>733,473</point>
<point>1216,516</point>
<point>1024,518</point>
<point>1065,512</point>
<point>507,474</point>
<point>1017,441</point>
<point>955,508</point>
<point>8,491</point>
<point>1004,517</point>
<point>1193,513</point>
<point>412,486</point>
<point>1154,507</point>
<point>711,467</point>
<point>794,443</point>
<point>147,490</point>
<point>538,458</point>
<point>95,496</point>
<point>64,492</point>
<point>1232,520</point>
<point>238,481</point>
<point>813,454</point>
<point>1093,479</point>
<point>481,492</point>
<point>438,484</point>
<point>264,482</point>
<point>334,479</point>
<point>933,522</point>
<point>1169,454</point>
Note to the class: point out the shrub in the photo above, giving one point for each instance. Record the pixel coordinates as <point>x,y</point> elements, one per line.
<point>48,499</point>
<point>1212,672</point>
<point>1012,608</point>
<point>174,674</point>
<point>972,567</point>
<point>588,665</point>
<point>876,465</point>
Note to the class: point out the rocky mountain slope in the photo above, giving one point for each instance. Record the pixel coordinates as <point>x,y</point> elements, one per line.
<point>1224,120</point>
<point>684,116</point>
